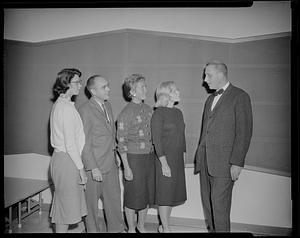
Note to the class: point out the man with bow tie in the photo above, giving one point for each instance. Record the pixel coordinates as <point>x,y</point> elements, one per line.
<point>224,142</point>
<point>99,158</point>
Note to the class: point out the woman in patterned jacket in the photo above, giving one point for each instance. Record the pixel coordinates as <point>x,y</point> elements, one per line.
<point>136,150</point>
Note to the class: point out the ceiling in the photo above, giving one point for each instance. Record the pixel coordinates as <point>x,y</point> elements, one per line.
<point>44,24</point>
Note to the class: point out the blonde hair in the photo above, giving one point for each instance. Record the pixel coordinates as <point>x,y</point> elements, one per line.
<point>162,93</point>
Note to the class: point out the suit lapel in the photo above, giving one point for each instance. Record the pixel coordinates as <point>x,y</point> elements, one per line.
<point>109,113</point>
<point>100,113</point>
<point>208,112</point>
<point>219,106</point>
<point>221,100</point>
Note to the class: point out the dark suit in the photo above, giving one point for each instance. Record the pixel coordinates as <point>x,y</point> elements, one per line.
<point>98,152</point>
<point>224,141</point>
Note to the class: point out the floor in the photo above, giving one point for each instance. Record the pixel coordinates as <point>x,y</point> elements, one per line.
<point>36,223</point>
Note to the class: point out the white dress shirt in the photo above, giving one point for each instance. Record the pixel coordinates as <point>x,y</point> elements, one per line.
<point>67,134</point>
<point>216,98</point>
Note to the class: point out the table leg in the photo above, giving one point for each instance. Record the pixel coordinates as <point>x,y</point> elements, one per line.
<point>28,205</point>
<point>10,220</point>
<point>40,203</point>
<point>19,215</point>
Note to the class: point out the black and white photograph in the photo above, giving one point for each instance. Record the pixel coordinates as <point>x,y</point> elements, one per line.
<point>149,119</point>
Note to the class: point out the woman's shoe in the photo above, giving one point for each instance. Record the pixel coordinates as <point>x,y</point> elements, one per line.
<point>138,230</point>
<point>160,229</point>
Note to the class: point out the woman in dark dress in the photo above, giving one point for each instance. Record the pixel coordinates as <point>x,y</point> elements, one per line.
<point>168,136</point>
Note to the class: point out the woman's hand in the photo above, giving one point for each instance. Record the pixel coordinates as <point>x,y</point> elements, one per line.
<point>166,171</point>
<point>83,177</point>
<point>128,174</point>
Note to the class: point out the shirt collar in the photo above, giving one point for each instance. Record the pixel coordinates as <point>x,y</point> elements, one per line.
<point>67,100</point>
<point>225,86</point>
<point>98,101</point>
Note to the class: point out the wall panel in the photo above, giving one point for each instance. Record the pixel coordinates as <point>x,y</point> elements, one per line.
<point>260,67</point>
<point>270,51</point>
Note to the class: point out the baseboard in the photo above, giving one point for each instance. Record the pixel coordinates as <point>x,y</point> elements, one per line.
<point>236,227</point>
<point>200,223</point>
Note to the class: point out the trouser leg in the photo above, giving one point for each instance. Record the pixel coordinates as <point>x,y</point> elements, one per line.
<point>205,196</point>
<point>92,197</point>
<point>221,194</point>
<point>112,201</point>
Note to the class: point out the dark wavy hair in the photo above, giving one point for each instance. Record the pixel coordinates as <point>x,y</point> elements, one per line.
<point>129,83</point>
<point>63,79</point>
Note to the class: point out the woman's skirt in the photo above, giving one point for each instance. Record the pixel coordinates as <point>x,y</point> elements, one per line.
<point>69,204</point>
<point>140,192</point>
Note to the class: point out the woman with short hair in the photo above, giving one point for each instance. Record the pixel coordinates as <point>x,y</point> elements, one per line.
<point>66,167</point>
<point>136,150</point>
<point>168,135</point>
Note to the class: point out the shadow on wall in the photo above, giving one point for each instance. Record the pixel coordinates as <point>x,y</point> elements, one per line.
<point>87,93</point>
<point>204,84</point>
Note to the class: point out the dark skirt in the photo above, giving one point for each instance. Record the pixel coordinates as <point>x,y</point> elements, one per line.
<point>140,192</point>
<point>171,191</point>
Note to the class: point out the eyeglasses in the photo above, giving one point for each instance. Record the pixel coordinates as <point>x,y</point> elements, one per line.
<point>79,81</point>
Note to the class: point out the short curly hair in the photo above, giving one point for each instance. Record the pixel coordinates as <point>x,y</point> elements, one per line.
<point>63,79</point>
<point>162,93</point>
<point>130,83</point>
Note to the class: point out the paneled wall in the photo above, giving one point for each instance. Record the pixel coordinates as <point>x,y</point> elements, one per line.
<point>260,67</point>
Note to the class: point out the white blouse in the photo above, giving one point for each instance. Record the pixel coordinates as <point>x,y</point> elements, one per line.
<point>67,134</point>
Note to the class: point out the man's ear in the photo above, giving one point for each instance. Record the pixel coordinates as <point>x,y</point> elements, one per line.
<point>92,91</point>
<point>220,75</point>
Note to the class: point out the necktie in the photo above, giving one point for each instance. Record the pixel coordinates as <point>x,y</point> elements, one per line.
<point>219,92</point>
<point>104,109</point>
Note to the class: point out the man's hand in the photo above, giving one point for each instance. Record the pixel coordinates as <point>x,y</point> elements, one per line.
<point>235,172</point>
<point>96,173</point>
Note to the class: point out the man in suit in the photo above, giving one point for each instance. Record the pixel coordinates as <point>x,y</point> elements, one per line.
<point>99,158</point>
<point>224,142</point>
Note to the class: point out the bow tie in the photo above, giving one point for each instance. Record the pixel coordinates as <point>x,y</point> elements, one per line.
<point>219,92</point>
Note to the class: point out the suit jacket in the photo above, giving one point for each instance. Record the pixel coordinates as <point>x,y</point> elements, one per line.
<point>98,151</point>
<point>226,132</point>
